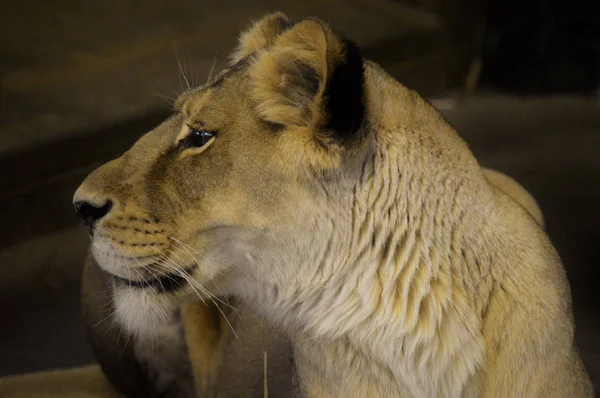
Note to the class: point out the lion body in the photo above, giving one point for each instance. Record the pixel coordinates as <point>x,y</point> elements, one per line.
<point>351,216</point>
<point>443,295</point>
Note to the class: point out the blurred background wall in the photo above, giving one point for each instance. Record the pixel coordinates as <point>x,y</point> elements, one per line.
<point>81,80</point>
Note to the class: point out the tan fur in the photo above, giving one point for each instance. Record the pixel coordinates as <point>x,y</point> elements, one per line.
<point>260,35</point>
<point>512,188</point>
<point>391,262</point>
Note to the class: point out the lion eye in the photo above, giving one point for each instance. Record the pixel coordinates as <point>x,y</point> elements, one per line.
<point>198,138</point>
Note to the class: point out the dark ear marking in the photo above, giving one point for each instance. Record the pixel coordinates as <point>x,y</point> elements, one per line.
<point>283,23</point>
<point>311,77</point>
<point>344,94</point>
<point>304,76</point>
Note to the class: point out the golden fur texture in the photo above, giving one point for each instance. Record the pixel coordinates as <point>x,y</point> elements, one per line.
<point>260,35</point>
<point>341,207</point>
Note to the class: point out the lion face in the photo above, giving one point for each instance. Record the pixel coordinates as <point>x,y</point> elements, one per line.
<point>207,170</point>
<point>229,192</point>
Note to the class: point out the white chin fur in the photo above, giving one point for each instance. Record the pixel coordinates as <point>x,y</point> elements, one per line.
<point>142,312</point>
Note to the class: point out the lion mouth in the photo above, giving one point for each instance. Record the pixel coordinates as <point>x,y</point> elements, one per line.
<point>165,283</point>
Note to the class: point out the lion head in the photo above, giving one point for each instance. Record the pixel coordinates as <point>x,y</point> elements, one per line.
<point>244,186</point>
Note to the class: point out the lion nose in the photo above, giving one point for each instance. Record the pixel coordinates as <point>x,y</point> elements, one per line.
<point>90,214</point>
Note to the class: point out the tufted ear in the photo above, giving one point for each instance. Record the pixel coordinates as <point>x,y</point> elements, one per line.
<point>310,77</point>
<point>260,35</point>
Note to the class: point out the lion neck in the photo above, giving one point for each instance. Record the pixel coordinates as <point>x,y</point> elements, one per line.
<point>394,276</point>
<point>390,281</point>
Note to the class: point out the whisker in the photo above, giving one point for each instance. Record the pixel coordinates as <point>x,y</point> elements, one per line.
<point>167,99</point>
<point>212,68</point>
<point>104,318</point>
<point>170,266</point>
<point>151,273</point>
<point>195,285</point>
<point>185,246</point>
<point>211,297</point>
<point>181,70</point>
<point>162,288</point>
<point>189,280</point>
<point>191,68</point>
<point>225,316</point>
<point>128,270</point>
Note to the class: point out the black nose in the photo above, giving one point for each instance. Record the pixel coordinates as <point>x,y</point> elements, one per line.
<point>89,214</point>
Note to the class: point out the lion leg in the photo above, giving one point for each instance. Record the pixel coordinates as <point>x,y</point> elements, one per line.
<point>203,336</point>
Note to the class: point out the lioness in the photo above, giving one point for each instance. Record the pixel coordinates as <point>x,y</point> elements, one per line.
<point>335,202</point>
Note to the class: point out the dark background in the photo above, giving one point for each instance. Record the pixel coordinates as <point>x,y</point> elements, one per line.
<point>81,80</point>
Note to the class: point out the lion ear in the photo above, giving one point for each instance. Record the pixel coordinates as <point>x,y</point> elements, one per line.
<point>310,77</point>
<point>260,35</point>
